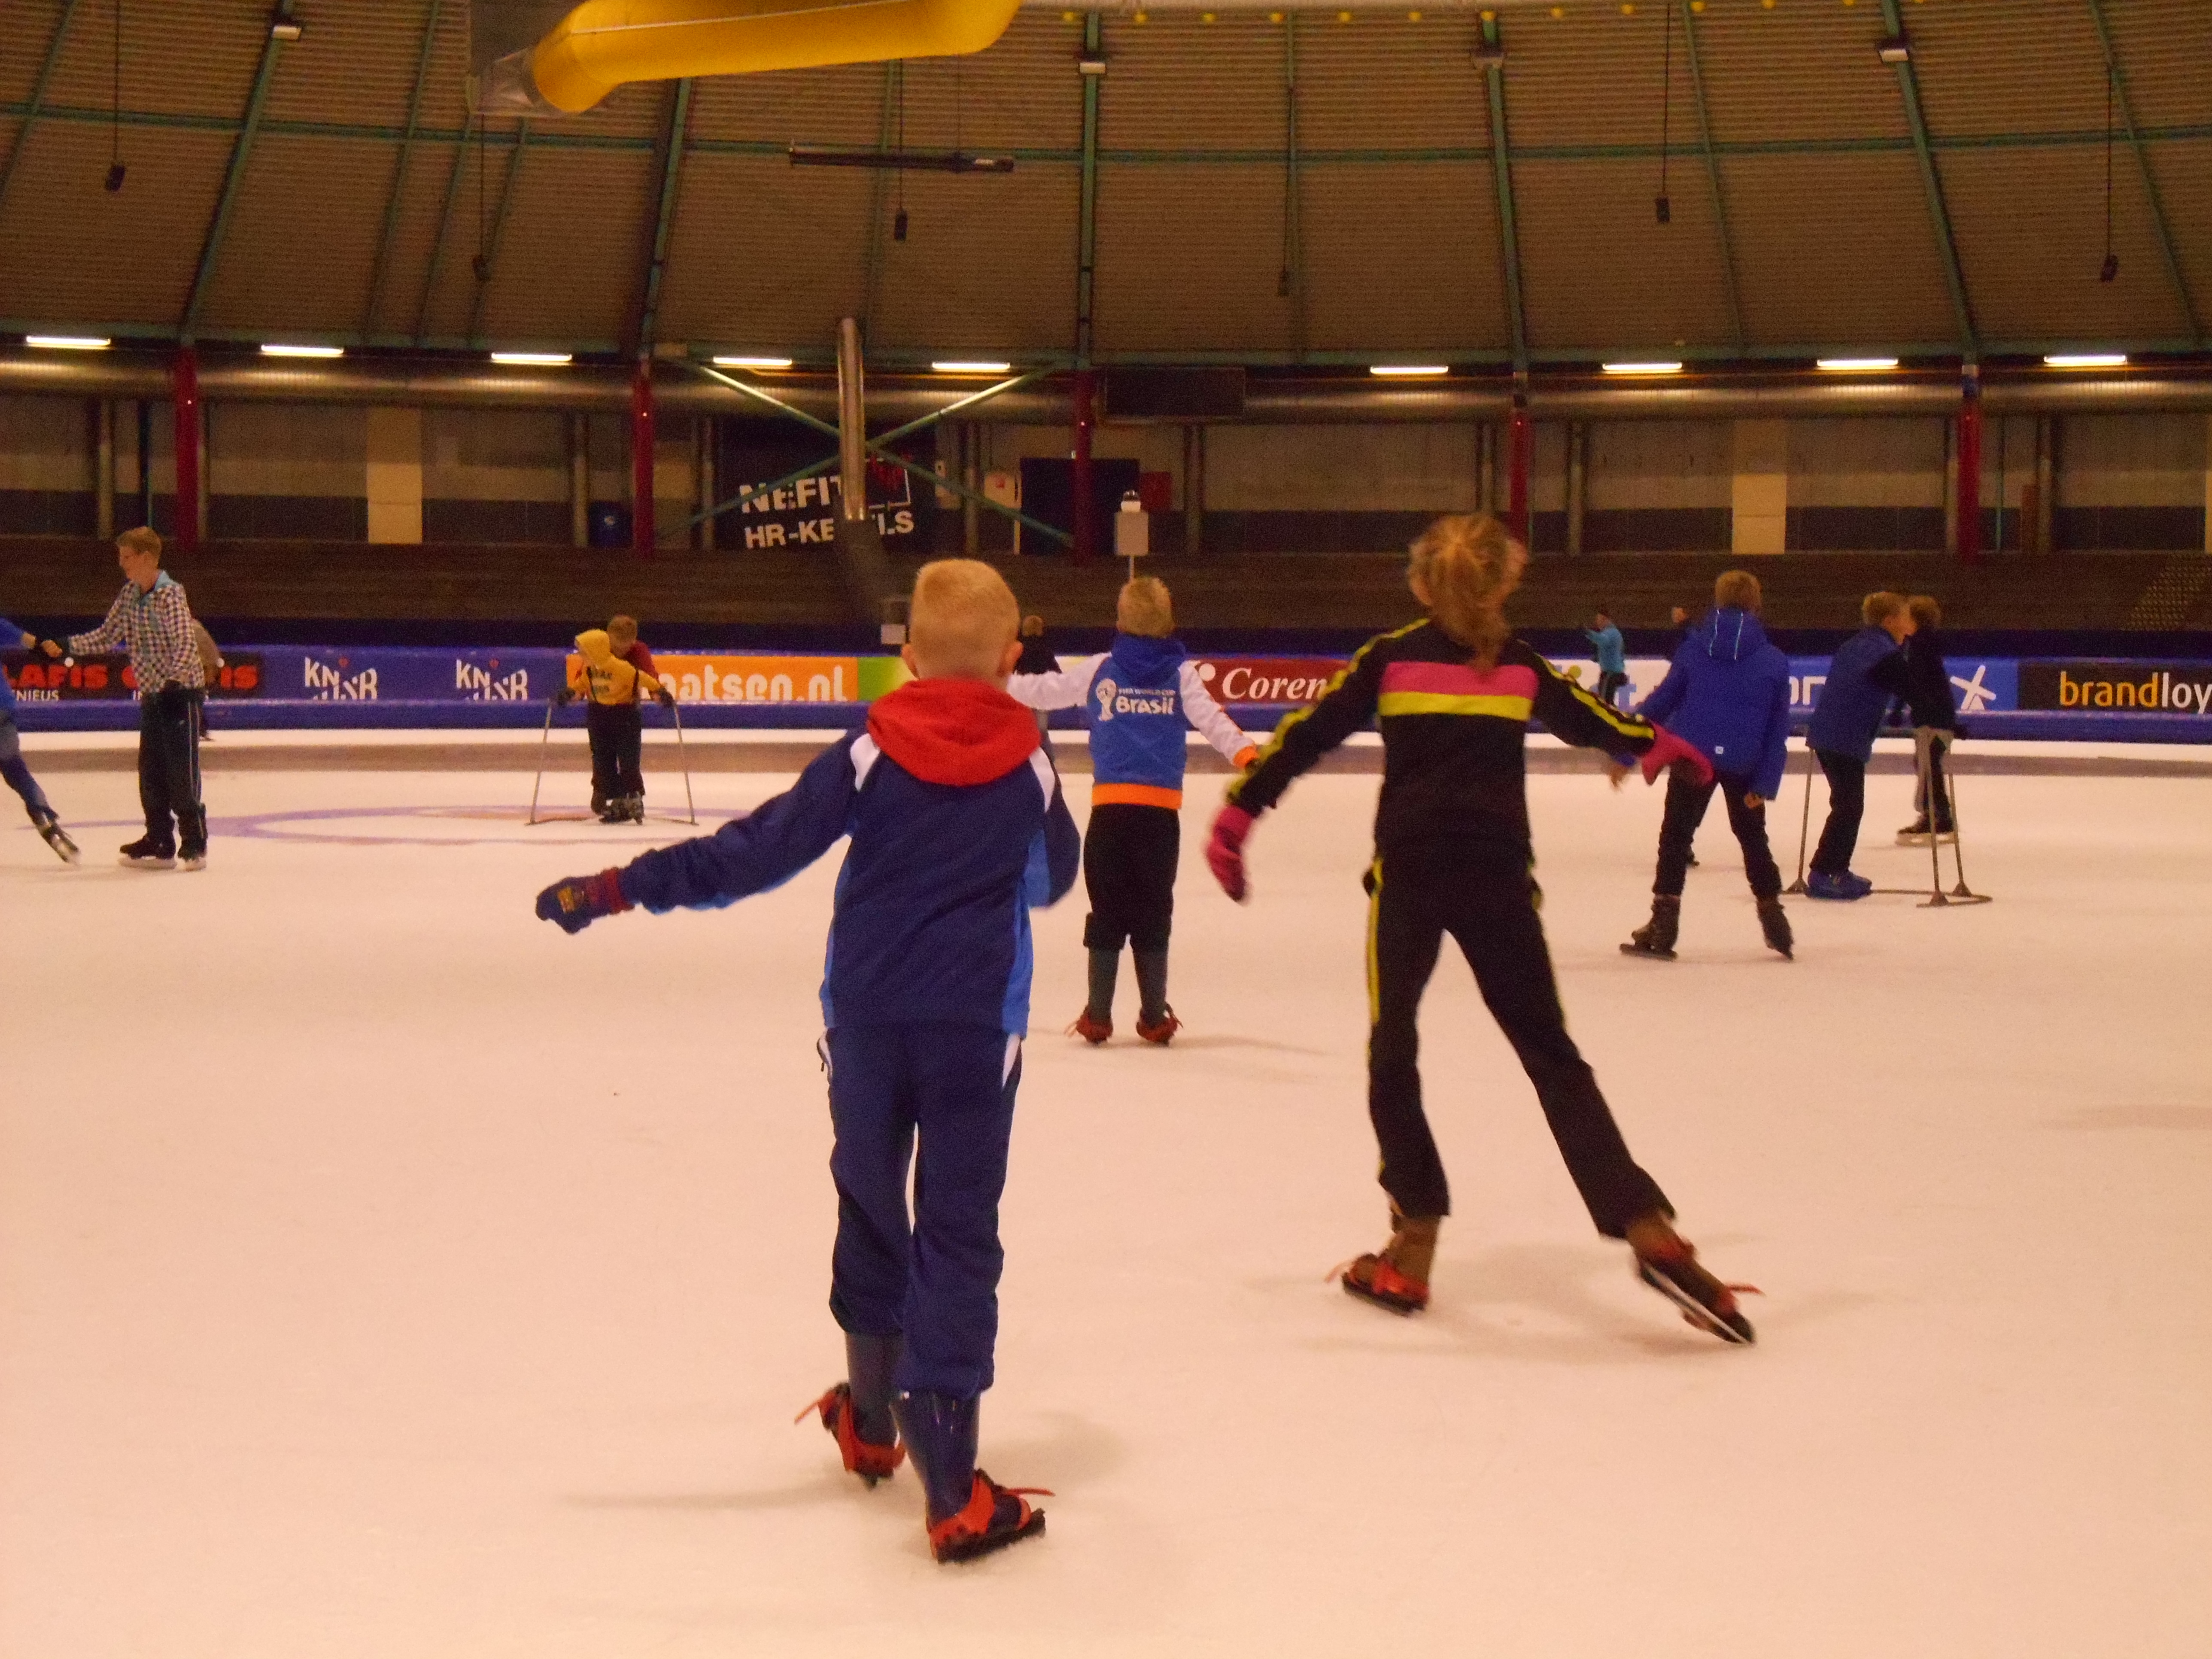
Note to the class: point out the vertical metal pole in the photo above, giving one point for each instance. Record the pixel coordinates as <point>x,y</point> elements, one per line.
<point>185,395</point>
<point>103,470</point>
<point>580,480</point>
<point>1485,468</point>
<point>971,468</point>
<point>207,456</point>
<point>1577,483</point>
<point>1951,486</point>
<point>706,437</point>
<point>1969,467</point>
<point>1194,490</point>
<point>640,460</point>
<point>852,425</point>
<point>1085,539</point>
<point>1520,442</point>
<point>2046,476</point>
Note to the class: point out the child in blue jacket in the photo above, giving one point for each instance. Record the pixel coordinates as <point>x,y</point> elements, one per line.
<point>1612,654</point>
<point>12,767</point>
<point>1136,700</point>
<point>1727,695</point>
<point>957,826</point>
<point>1867,671</point>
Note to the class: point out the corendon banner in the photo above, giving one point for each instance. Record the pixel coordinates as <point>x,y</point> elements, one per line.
<point>37,677</point>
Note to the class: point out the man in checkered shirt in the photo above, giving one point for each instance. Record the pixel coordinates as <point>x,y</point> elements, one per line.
<point>151,619</point>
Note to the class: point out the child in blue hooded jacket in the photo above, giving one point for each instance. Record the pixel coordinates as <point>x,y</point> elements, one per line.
<point>1727,693</point>
<point>957,826</point>
<point>1136,700</point>
<point>15,770</point>
<point>1868,670</point>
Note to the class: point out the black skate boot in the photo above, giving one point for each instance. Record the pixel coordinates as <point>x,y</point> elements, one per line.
<point>1656,937</point>
<point>191,850</point>
<point>968,1514</point>
<point>857,1412</point>
<point>1775,923</point>
<point>147,853</point>
<point>1667,1262</point>
<point>50,828</point>
<point>1396,1277</point>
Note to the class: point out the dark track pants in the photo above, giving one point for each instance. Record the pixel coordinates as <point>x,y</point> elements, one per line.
<point>1608,688</point>
<point>617,735</point>
<point>1839,835</point>
<point>1934,742</point>
<point>1687,801</point>
<point>1487,903</point>
<point>1130,855</point>
<point>17,774</point>
<point>169,766</point>
<point>934,1281</point>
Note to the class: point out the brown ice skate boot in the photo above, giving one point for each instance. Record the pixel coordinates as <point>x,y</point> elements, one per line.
<point>1667,1262</point>
<point>1396,1277</point>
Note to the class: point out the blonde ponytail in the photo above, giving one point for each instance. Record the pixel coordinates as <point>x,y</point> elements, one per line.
<point>1466,565</point>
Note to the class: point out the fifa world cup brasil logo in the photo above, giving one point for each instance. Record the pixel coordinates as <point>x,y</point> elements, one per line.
<point>1105,692</point>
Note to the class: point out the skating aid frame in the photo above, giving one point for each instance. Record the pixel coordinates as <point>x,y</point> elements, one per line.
<point>683,758</point>
<point>1937,898</point>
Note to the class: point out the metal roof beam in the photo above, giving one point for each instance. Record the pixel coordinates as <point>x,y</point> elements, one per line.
<point>1508,234</point>
<point>1086,213</point>
<point>2150,185</point>
<point>491,256</point>
<point>438,237</point>
<point>33,109</point>
<point>272,47</point>
<point>1713,174</point>
<point>381,269</point>
<point>1939,213</point>
<point>663,214</point>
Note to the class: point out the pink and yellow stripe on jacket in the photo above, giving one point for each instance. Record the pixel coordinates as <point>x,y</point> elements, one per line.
<point>1507,692</point>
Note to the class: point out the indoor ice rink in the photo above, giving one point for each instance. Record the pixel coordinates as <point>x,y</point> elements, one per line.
<point>458,1301</point>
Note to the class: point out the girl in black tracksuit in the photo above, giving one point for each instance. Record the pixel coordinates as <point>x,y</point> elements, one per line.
<point>1935,720</point>
<point>1453,695</point>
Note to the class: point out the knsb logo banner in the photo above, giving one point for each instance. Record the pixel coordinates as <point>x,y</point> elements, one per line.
<point>2171,687</point>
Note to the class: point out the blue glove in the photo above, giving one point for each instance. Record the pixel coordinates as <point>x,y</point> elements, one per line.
<point>575,902</point>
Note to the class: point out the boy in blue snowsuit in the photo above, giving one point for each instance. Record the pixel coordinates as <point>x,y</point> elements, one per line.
<point>957,826</point>
<point>12,765</point>
<point>1867,671</point>
<point>1727,694</point>
<point>1136,700</point>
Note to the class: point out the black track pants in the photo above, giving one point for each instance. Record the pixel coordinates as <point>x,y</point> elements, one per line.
<point>1839,836</point>
<point>1687,801</point>
<point>1486,902</point>
<point>617,735</point>
<point>1129,860</point>
<point>169,766</point>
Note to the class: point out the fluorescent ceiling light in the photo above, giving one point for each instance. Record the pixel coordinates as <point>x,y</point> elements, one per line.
<point>535,359</point>
<point>276,350</point>
<point>2086,360</point>
<point>752,362</point>
<point>67,342</point>
<point>1642,369</point>
<point>1855,365</point>
<point>1399,370</point>
<point>959,366</point>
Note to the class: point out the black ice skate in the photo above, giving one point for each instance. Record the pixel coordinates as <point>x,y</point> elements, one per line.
<point>147,853</point>
<point>1775,923</point>
<point>1656,937</point>
<point>192,855</point>
<point>1667,1262</point>
<point>50,828</point>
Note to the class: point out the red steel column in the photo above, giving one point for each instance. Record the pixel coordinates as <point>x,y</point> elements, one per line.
<point>184,399</point>
<point>1085,391</point>
<point>1520,444</point>
<point>1970,468</point>
<point>641,460</point>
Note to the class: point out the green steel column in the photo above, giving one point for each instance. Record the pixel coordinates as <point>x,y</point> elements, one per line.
<point>381,269</point>
<point>1713,175</point>
<point>498,231</point>
<point>1939,214</point>
<point>37,98</point>
<point>2142,163</point>
<point>438,237</point>
<point>1086,233</point>
<point>664,218</point>
<point>1501,157</point>
<point>211,247</point>
<point>1294,260</point>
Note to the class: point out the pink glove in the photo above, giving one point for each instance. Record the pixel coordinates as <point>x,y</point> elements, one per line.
<point>1666,749</point>
<point>1225,853</point>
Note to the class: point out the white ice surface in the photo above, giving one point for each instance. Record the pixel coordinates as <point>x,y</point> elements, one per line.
<point>383,1274</point>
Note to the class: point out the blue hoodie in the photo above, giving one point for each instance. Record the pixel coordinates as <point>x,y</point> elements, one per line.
<point>1867,671</point>
<point>1728,693</point>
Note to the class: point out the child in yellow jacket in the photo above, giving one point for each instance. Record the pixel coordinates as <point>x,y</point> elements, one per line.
<point>612,673</point>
